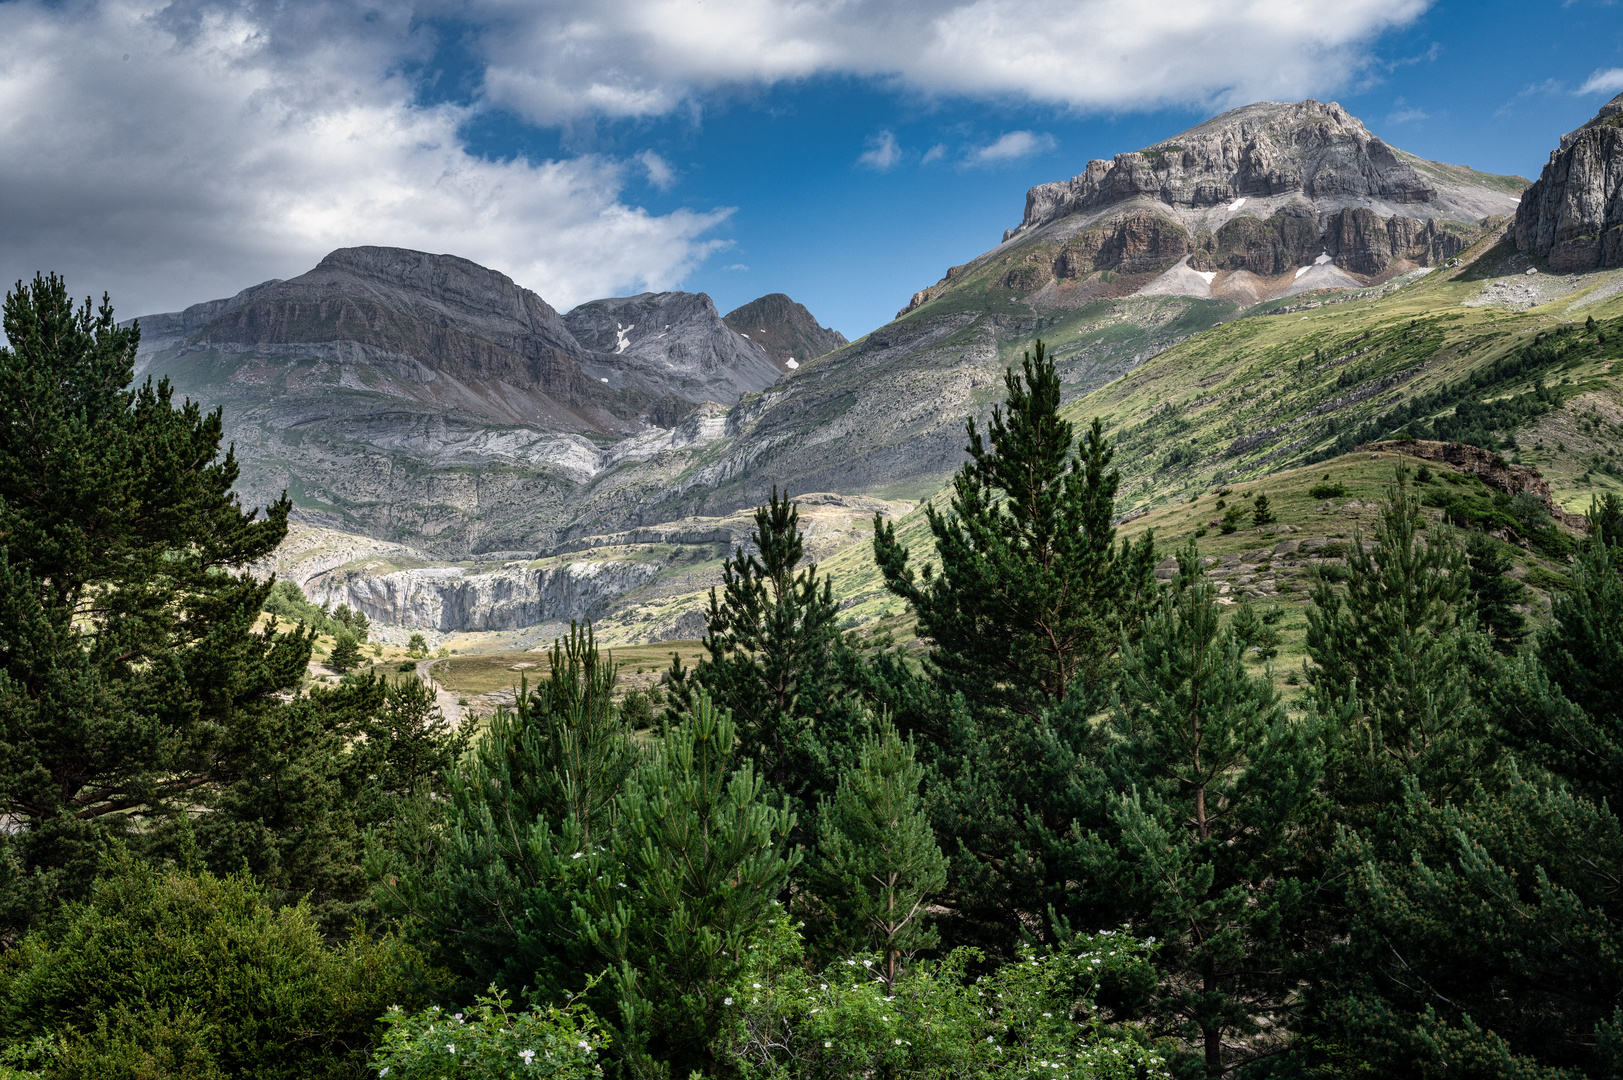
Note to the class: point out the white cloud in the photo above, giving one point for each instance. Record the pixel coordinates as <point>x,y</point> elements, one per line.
<point>1011,147</point>
<point>578,58</point>
<point>935,153</point>
<point>883,152</point>
<point>170,154</point>
<point>1407,116</point>
<point>660,173</point>
<point>735,266</point>
<point>1609,81</point>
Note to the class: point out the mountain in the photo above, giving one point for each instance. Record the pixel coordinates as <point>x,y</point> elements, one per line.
<point>785,329</point>
<point>1110,268</point>
<point>670,342</point>
<point>426,400</point>
<point>1573,215</point>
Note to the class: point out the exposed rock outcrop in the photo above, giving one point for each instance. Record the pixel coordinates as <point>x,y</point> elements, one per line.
<point>669,342</point>
<point>448,599</point>
<point>1573,215</point>
<point>1309,149</point>
<point>785,329</point>
<point>1485,465</point>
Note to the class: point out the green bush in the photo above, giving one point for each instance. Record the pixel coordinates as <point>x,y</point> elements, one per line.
<point>1327,491</point>
<point>1232,519</point>
<point>1035,1015</point>
<point>176,973</point>
<point>491,1042</point>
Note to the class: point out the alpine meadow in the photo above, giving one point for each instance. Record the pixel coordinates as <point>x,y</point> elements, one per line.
<point>1186,642</point>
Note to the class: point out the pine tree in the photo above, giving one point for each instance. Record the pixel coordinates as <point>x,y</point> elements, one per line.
<point>496,871</point>
<point>773,644</point>
<point>1253,631</point>
<point>1390,648</point>
<point>1261,514</point>
<point>1214,781</point>
<point>346,652</point>
<point>1032,594</point>
<point>703,856</point>
<point>130,670</point>
<point>1495,595</point>
<point>877,860</point>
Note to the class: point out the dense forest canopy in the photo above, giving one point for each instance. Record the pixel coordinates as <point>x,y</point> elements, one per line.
<point>1081,834</point>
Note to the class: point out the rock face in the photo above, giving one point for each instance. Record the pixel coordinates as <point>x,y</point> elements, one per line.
<point>1573,215</point>
<point>1265,191</point>
<point>672,343</point>
<point>427,400</point>
<point>785,329</point>
<point>449,599</point>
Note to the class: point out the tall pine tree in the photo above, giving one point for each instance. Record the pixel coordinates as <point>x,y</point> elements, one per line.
<point>1214,781</point>
<point>1032,595</point>
<point>131,674</point>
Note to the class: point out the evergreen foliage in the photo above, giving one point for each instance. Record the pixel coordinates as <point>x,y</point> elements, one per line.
<point>346,652</point>
<point>774,659</point>
<point>1032,595</point>
<point>877,862</point>
<point>175,972</point>
<point>130,673</point>
<point>1495,595</point>
<point>1215,785</point>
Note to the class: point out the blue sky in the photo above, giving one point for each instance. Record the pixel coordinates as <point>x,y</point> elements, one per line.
<point>842,151</point>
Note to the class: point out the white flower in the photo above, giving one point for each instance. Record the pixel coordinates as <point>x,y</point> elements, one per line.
<point>727,1001</point>
<point>1049,1015</point>
<point>827,1044</point>
<point>898,1042</point>
<point>822,986</point>
<point>756,985</point>
<point>383,1071</point>
<point>989,1038</point>
<point>867,963</point>
<point>576,855</point>
<point>527,1055</point>
<point>886,1019</point>
<point>457,1018</point>
<point>450,1048</point>
<point>584,1045</point>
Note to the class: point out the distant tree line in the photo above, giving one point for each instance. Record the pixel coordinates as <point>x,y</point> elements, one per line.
<point>1074,835</point>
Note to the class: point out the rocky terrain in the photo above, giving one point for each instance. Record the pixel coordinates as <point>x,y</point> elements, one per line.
<point>785,329</point>
<point>1573,215</point>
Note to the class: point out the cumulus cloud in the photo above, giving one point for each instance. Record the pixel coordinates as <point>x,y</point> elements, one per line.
<point>1011,147</point>
<point>173,153</point>
<point>883,152</point>
<point>660,173</point>
<point>579,58</point>
<point>1608,81</point>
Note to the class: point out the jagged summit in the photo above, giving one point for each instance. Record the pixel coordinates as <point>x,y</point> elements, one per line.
<point>785,329</point>
<point>1265,200</point>
<point>1309,151</point>
<point>1573,215</point>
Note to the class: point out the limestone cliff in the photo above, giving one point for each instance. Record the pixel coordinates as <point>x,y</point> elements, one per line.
<point>1573,215</point>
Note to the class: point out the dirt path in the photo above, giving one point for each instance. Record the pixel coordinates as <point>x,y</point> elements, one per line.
<point>442,697</point>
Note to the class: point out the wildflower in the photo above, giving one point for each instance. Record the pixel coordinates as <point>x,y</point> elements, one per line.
<point>584,1045</point>
<point>528,1056</point>
<point>867,963</point>
<point>898,1042</point>
<point>383,1071</point>
<point>756,985</point>
<point>450,1048</point>
<point>827,1045</point>
<point>457,1018</point>
<point>822,986</point>
<point>1049,1015</point>
<point>576,855</point>
<point>728,1001</point>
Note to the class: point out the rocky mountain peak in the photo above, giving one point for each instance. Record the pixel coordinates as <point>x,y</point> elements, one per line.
<point>669,339</point>
<point>1573,215</point>
<point>1313,151</point>
<point>785,329</point>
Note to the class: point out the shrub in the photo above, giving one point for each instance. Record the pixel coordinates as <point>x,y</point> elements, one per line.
<point>1232,519</point>
<point>185,974</point>
<point>1033,1015</point>
<point>491,1042</point>
<point>1327,491</point>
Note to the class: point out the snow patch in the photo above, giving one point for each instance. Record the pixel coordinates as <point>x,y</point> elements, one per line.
<point>1236,204</point>
<point>790,363</point>
<point>1207,275</point>
<point>1324,257</point>
<point>622,338</point>
<point>1300,270</point>
<point>602,380</point>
